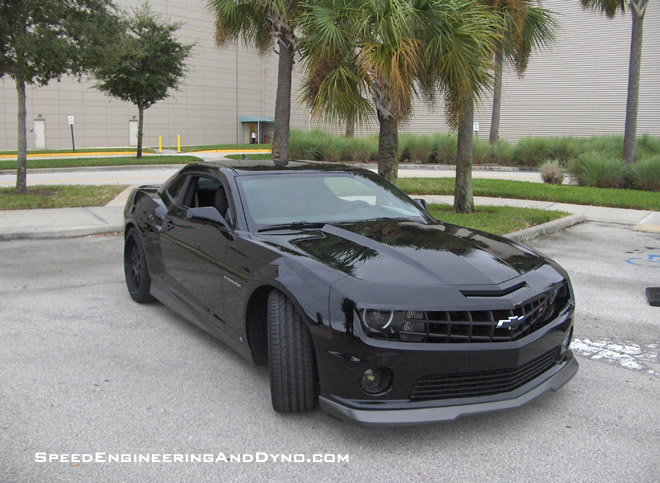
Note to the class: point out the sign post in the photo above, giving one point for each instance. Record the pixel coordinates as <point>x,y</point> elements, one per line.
<point>73,140</point>
<point>475,128</point>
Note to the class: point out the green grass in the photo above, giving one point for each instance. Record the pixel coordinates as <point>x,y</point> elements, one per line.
<point>617,198</point>
<point>58,196</point>
<point>114,161</point>
<point>258,157</point>
<point>211,147</point>
<point>495,219</point>
<point>84,150</point>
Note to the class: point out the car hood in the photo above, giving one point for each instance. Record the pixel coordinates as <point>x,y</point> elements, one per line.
<point>412,253</point>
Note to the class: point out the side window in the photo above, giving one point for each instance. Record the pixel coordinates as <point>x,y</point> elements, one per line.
<point>205,191</point>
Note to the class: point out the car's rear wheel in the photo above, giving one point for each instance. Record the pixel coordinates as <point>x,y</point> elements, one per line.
<point>136,272</point>
<point>291,360</point>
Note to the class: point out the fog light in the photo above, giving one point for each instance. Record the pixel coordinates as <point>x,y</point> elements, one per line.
<point>376,380</point>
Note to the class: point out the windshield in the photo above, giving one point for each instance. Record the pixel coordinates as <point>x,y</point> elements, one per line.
<point>332,197</point>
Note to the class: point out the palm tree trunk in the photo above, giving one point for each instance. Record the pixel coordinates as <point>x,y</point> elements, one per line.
<point>350,126</point>
<point>634,67</point>
<point>497,102</point>
<point>139,133</point>
<point>463,201</point>
<point>21,163</point>
<point>283,101</point>
<point>388,144</point>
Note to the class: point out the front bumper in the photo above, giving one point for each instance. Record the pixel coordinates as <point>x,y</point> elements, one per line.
<point>551,380</point>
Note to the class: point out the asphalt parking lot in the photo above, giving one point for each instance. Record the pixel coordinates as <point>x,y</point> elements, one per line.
<point>83,370</point>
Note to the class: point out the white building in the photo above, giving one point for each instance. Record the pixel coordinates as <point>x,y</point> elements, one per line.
<point>578,87</point>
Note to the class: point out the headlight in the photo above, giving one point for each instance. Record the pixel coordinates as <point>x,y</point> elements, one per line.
<point>409,326</point>
<point>385,321</point>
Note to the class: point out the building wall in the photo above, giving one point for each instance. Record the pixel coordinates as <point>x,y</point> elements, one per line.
<point>578,87</point>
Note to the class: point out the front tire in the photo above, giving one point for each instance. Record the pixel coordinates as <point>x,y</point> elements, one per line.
<point>291,360</point>
<point>136,271</point>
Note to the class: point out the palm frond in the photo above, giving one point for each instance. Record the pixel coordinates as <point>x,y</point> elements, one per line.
<point>608,7</point>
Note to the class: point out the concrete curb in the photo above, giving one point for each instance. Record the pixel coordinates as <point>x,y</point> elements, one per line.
<point>64,233</point>
<point>546,228</point>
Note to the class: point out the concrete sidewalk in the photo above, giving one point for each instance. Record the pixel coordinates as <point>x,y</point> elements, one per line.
<point>72,222</point>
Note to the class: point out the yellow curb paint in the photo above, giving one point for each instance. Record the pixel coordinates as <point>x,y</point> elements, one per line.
<point>234,151</point>
<point>77,154</point>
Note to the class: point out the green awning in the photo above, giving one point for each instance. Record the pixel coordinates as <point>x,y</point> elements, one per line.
<point>256,119</point>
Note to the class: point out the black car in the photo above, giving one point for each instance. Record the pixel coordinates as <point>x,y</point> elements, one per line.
<point>350,291</point>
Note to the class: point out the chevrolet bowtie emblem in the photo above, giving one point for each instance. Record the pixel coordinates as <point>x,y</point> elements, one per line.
<point>511,322</point>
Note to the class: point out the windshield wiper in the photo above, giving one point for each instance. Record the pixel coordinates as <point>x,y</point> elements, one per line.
<point>292,226</point>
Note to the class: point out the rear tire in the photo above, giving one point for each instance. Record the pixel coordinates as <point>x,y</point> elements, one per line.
<point>291,360</point>
<point>136,271</point>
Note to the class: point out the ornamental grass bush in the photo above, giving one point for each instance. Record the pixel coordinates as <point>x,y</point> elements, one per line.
<point>645,173</point>
<point>361,149</point>
<point>415,149</point>
<point>444,148</point>
<point>595,161</point>
<point>551,172</point>
<point>592,169</point>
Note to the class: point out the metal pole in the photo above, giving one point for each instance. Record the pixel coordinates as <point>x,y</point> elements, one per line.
<point>73,141</point>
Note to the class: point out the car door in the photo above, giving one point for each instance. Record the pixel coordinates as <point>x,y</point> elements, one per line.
<point>194,248</point>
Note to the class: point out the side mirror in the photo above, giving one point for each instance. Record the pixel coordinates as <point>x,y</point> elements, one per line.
<point>207,213</point>
<point>421,203</point>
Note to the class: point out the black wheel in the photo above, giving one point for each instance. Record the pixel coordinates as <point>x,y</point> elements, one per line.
<point>138,280</point>
<point>291,361</point>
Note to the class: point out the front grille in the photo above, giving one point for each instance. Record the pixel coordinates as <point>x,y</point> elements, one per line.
<point>486,325</point>
<point>484,383</point>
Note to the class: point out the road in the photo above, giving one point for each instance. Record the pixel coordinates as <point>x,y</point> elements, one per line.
<point>83,369</point>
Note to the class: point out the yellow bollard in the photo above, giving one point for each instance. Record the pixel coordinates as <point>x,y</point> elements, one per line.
<point>160,144</point>
<point>178,143</point>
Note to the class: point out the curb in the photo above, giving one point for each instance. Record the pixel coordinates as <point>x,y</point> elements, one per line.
<point>65,233</point>
<point>546,228</point>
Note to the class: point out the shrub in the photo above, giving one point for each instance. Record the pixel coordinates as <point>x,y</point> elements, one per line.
<point>304,144</point>
<point>444,148</point>
<point>330,148</point>
<point>645,173</point>
<point>360,149</point>
<point>592,169</point>
<point>564,149</point>
<point>607,146</point>
<point>647,146</point>
<point>480,151</point>
<point>531,151</point>
<point>551,172</point>
<point>503,152</point>
<point>416,149</point>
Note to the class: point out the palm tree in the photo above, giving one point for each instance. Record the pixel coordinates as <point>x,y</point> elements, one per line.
<point>525,27</point>
<point>638,9</point>
<point>399,48</point>
<point>353,51</point>
<point>459,49</point>
<point>264,24</point>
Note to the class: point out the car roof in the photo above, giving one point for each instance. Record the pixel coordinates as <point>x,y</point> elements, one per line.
<point>249,166</point>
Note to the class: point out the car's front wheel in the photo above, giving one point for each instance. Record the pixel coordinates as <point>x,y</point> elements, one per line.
<point>136,272</point>
<point>291,360</point>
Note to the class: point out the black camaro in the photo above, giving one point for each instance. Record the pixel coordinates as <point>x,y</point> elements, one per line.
<point>350,291</point>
